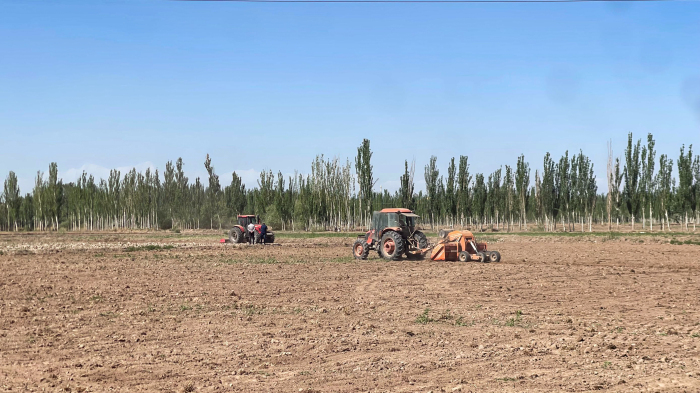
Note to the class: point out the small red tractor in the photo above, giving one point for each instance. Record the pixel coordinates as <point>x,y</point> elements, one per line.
<point>393,234</point>
<point>461,246</point>
<point>239,233</point>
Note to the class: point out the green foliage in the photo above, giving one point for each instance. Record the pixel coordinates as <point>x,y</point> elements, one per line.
<point>564,193</point>
<point>424,318</point>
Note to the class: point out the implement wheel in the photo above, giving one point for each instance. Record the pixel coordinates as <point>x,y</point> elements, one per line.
<point>495,256</point>
<point>464,256</point>
<point>391,247</point>
<point>360,249</point>
<point>482,257</point>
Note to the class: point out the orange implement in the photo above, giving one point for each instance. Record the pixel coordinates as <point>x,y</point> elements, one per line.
<point>461,246</point>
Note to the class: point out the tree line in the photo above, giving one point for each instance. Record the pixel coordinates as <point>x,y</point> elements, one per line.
<point>341,195</point>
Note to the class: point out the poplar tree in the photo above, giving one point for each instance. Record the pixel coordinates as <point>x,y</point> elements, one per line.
<point>464,180</point>
<point>686,183</point>
<point>407,188</point>
<point>450,195</point>
<point>363,166</point>
<point>522,184</point>
<point>631,192</point>
<point>12,202</point>
<point>431,187</point>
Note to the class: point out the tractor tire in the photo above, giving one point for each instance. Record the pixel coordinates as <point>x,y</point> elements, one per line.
<point>422,242</point>
<point>270,238</point>
<point>442,234</point>
<point>392,247</point>
<point>236,235</point>
<point>482,257</point>
<point>464,256</point>
<point>495,256</point>
<point>360,249</point>
<point>421,239</point>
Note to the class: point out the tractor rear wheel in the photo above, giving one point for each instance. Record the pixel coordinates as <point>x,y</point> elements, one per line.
<point>495,256</point>
<point>464,256</point>
<point>482,257</point>
<point>392,246</point>
<point>360,249</point>
<point>235,235</point>
<point>270,238</point>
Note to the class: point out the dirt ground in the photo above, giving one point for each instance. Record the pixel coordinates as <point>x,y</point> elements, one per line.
<point>104,312</point>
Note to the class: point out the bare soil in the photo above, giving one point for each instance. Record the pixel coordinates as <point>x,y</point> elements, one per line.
<point>102,312</point>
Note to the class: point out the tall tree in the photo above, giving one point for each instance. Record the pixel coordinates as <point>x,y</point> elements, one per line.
<point>54,193</point>
<point>665,185</point>
<point>562,187</point>
<point>548,192</point>
<point>11,196</point>
<point>522,184</point>
<point>406,192</point>
<point>479,199</point>
<point>647,180</point>
<point>631,193</point>
<point>450,195</point>
<point>363,166</point>
<point>464,179</point>
<point>686,184</point>
<point>213,194</point>
<point>431,187</point>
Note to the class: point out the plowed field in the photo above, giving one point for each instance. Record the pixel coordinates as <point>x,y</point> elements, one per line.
<point>152,312</point>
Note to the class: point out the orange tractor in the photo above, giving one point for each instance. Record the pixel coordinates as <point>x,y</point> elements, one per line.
<point>394,233</point>
<point>461,246</point>
<point>239,233</point>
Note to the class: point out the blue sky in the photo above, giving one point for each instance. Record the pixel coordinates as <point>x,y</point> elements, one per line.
<point>114,84</point>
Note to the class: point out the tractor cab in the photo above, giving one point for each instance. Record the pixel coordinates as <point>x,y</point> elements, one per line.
<point>403,221</point>
<point>247,219</point>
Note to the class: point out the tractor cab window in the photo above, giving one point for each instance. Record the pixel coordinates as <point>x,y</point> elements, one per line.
<point>379,221</point>
<point>410,221</point>
<point>392,220</point>
<point>402,220</point>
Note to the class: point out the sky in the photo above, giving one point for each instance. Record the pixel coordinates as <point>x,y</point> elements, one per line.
<point>94,85</point>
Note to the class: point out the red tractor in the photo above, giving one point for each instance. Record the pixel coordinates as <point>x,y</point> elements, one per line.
<point>239,233</point>
<point>393,234</point>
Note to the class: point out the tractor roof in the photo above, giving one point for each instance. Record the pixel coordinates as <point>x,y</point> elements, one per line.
<point>396,210</point>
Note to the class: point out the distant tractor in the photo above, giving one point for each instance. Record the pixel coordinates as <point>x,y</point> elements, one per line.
<point>461,246</point>
<point>394,233</point>
<point>239,233</point>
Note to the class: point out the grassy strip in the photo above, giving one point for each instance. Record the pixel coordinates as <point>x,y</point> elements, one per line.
<point>313,235</point>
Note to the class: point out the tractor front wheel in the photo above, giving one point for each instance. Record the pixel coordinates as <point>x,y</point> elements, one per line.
<point>392,246</point>
<point>360,249</point>
<point>235,235</point>
<point>421,239</point>
<point>420,242</point>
